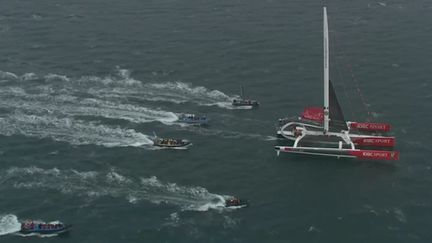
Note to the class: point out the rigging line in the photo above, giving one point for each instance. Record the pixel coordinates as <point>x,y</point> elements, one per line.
<point>355,82</point>
<point>359,92</point>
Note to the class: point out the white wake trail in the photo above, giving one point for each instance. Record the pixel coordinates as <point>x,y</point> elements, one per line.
<point>17,98</point>
<point>92,184</point>
<point>71,131</point>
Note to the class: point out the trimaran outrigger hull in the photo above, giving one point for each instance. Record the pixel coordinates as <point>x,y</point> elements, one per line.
<point>288,131</point>
<point>341,153</point>
<point>324,131</point>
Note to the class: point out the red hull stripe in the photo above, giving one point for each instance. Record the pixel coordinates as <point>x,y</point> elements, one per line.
<point>369,126</point>
<point>375,154</point>
<point>374,141</point>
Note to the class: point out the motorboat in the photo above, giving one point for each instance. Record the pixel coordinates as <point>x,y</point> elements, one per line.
<point>170,142</point>
<point>244,102</point>
<point>193,119</point>
<point>40,227</point>
<point>236,203</point>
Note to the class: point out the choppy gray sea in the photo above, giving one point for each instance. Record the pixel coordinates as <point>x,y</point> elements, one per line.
<point>83,85</point>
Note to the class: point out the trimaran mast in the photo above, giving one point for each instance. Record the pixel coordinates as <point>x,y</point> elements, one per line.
<point>326,74</point>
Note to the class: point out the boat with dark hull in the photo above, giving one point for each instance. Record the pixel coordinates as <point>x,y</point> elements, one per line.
<point>325,132</point>
<point>170,142</point>
<point>193,119</point>
<point>43,228</point>
<point>244,102</point>
<point>236,203</point>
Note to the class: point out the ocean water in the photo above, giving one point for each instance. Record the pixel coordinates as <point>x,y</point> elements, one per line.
<point>83,85</point>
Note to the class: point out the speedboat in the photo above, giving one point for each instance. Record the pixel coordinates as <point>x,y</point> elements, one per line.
<point>40,227</point>
<point>236,203</point>
<point>193,119</point>
<point>170,142</point>
<point>243,101</point>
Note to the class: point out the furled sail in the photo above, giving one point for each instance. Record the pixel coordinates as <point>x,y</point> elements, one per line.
<point>337,120</point>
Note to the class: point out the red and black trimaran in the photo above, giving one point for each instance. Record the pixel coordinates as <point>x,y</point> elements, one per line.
<point>325,132</point>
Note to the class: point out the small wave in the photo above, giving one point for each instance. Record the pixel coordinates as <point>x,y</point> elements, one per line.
<point>9,224</point>
<point>375,114</point>
<point>33,170</point>
<point>12,91</point>
<point>4,28</point>
<point>114,177</point>
<point>36,17</point>
<point>132,199</point>
<point>173,220</point>
<point>8,75</point>
<point>229,223</point>
<point>92,184</point>
<point>382,4</point>
<point>29,76</point>
<point>313,229</point>
<point>399,215</point>
<point>175,217</point>
<point>56,77</point>
<point>395,213</point>
<point>271,138</point>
